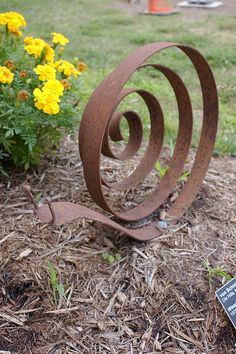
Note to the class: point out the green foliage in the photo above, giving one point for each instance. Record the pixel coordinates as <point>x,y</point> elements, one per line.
<point>216,272</point>
<point>2,156</point>
<point>27,132</point>
<point>111,257</point>
<point>184,176</point>
<point>57,288</point>
<point>226,142</point>
<point>161,169</point>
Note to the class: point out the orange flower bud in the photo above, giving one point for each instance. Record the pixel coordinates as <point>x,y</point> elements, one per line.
<point>23,74</point>
<point>66,84</point>
<point>82,67</point>
<point>10,64</point>
<point>23,95</point>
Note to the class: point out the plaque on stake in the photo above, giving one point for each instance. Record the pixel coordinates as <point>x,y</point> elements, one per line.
<point>227,297</point>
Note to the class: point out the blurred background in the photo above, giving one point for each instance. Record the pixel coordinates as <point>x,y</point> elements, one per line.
<point>104,32</point>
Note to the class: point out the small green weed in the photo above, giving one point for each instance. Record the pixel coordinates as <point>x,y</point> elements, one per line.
<point>216,272</point>
<point>57,288</point>
<point>161,169</point>
<point>111,257</point>
<point>184,176</point>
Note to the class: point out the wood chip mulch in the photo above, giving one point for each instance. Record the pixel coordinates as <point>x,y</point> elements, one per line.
<point>153,298</point>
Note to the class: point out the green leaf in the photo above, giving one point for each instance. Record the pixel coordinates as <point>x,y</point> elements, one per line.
<point>161,169</point>
<point>111,258</point>
<point>184,176</point>
<point>53,275</point>
<point>9,133</point>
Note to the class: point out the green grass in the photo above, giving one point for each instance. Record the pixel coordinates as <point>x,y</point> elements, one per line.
<point>57,288</point>
<point>102,36</point>
<point>213,273</point>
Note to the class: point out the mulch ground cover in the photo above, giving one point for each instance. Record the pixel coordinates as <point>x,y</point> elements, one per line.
<point>150,297</point>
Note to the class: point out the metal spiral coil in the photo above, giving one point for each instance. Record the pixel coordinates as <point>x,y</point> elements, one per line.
<point>101,122</point>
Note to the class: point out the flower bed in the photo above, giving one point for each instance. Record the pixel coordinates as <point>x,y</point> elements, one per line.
<point>38,93</point>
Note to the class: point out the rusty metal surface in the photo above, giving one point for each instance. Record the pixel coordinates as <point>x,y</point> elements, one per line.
<point>100,122</point>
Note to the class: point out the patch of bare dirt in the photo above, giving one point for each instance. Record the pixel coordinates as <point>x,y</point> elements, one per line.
<point>154,298</point>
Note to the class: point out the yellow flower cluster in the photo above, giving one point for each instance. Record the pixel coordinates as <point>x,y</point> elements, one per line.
<point>48,98</point>
<point>58,38</point>
<point>66,68</point>
<point>49,53</point>
<point>6,76</point>
<point>37,47</point>
<point>34,46</point>
<point>45,72</point>
<point>13,21</point>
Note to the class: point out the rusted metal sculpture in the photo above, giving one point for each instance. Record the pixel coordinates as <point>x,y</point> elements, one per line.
<point>101,121</point>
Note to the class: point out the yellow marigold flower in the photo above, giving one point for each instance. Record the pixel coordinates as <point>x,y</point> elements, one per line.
<point>49,53</point>
<point>8,16</point>
<point>58,38</point>
<point>28,40</point>
<point>46,101</point>
<point>82,67</point>
<point>15,15</point>
<point>54,86</point>
<point>34,50</point>
<point>3,19</point>
<point>13,27</point>
<point>34,46</point>
<point>76,73</point>
<point>23,95</point>
<point>66,68</point>
<point>13,20</point>
<point>6,76</point>
<point>45,72</point>
<point>10,64</point>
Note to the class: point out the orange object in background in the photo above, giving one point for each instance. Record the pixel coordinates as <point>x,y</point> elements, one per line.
<point>159,6</point>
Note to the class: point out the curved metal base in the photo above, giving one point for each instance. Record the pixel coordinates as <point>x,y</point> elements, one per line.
<point>55,213</point>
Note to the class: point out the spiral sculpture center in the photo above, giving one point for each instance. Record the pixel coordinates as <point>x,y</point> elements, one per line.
<point>101,122</point>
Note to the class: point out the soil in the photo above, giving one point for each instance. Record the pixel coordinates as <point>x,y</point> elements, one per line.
<point>152,297</point>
